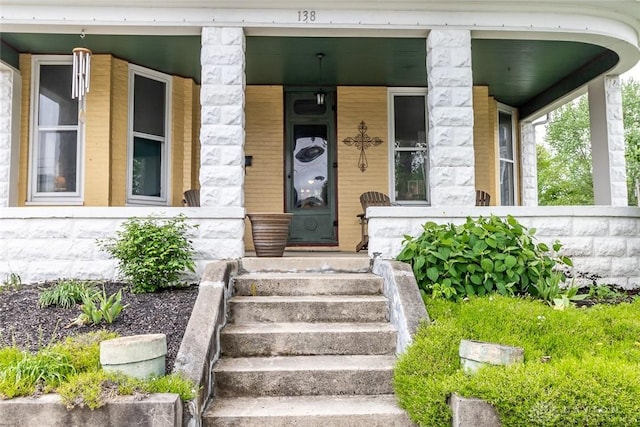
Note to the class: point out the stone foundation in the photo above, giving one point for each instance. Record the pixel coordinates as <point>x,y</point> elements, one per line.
<point>603,241</point>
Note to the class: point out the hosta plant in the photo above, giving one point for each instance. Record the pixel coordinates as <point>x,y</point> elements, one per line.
<point>483,255</point>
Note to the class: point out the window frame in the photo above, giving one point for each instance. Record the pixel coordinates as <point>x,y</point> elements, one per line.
<point>511,111</point>
<point>165,174</point>
<point>35,197</point>
<point>391,94</point>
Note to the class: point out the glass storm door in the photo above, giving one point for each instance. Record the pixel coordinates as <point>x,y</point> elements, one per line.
<point>310,169</point>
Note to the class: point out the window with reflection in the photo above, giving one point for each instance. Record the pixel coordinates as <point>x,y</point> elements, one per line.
<point>56,141</point>
<point>410,150</point>
<point>507,158</point>
<point>148,151</point>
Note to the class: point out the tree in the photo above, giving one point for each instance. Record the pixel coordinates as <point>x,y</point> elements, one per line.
<point>565,164</point>
<point>631,118</point>
<point>564,168</point>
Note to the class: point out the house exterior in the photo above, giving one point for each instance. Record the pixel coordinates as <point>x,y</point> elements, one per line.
<point>426,101</point>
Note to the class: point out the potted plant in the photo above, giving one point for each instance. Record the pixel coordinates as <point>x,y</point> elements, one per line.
<point>270,232</point>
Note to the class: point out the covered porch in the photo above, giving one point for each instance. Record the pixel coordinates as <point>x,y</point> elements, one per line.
<point>452,109</point>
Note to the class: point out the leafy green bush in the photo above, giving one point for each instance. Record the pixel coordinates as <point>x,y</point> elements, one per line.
<point>151,252</point>
<point>580,368</point>
<point>481,256</point>
<point>65,293</point>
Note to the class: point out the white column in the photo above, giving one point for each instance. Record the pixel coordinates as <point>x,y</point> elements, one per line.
<point>450,104</point>
<point>529,164</point>
<point>607,142</point>
<point>9,135</point>
<point>222,131</point>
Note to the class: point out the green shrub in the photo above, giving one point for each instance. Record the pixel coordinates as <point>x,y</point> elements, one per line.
<point>152,253</point>
<point>65,293</point>
<point>481,256</point>
<point>580,368</point>
<point>98,307</point>
<point>83,351</point>
<point>92,389</point>
<point>46,369</point>
<point>12,282</point>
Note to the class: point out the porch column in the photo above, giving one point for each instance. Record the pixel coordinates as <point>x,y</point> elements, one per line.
<point>10,83</point>
<point>450,104</point>
<point>222,123</point>
<point>529,164</point>
<point>607,142</point>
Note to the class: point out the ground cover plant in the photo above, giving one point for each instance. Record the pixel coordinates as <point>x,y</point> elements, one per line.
<point>72,368</point>
<point>580,369</point>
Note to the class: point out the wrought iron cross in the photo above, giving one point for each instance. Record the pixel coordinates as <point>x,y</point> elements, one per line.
<point>362,142</point>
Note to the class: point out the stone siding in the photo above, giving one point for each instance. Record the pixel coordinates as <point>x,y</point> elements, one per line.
<point>450,106</point>
<point>604,241</point>
<point>6,94</point>
<point>49,243</point>
<point>222,133</point>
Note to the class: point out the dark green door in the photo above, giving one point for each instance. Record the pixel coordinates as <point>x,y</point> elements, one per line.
<point>310,168</point>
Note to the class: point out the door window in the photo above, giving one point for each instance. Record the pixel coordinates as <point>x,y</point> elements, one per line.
<point>310,171</point>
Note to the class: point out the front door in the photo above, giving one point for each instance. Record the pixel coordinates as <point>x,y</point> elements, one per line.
<point>310,168</point>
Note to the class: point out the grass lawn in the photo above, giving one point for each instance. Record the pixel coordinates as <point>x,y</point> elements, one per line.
<point>582,365</point>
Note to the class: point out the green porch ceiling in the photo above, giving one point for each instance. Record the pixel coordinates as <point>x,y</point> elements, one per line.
<point>527,74</point>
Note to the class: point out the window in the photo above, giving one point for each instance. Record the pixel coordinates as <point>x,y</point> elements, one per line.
<point>55,167</point>
<point>409,150</point>
<point>506,154</point>
<point>148,155</point>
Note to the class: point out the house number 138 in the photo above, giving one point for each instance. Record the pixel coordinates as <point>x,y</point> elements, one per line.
<point>306,15</point>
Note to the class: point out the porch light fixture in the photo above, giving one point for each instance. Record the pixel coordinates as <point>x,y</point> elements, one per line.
<point>81,71</point>
<point>320,94</point>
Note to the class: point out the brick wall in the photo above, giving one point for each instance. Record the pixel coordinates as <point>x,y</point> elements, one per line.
<point>264,180</point>
<point>356,104</point>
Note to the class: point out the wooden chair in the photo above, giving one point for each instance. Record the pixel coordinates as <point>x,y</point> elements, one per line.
<point>191,198</point>
<point>482,198</point>
<point>370,198</point>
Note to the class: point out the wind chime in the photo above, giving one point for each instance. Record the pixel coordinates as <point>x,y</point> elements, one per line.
<point>81,71</point>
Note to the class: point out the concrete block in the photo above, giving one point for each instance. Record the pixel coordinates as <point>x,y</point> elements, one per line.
<point>475,354</point>
<point>156,410</point>
<point>138,356</point>
<point>472,412</point>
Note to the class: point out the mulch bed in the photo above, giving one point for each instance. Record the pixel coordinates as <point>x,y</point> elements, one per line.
<point>167,312</point>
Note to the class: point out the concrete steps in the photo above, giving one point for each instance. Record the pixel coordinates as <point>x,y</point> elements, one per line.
<point>306,411</point>
<point>309,308</point>
<point>297,339</point>
<point>307,343</point>
<point>265,284</point>
<point>304,375</point>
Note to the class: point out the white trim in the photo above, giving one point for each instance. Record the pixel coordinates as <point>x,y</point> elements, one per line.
<point>503,108</point>
<point>47,198</point>
<point>165,176</point>
<point>405,91</point>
